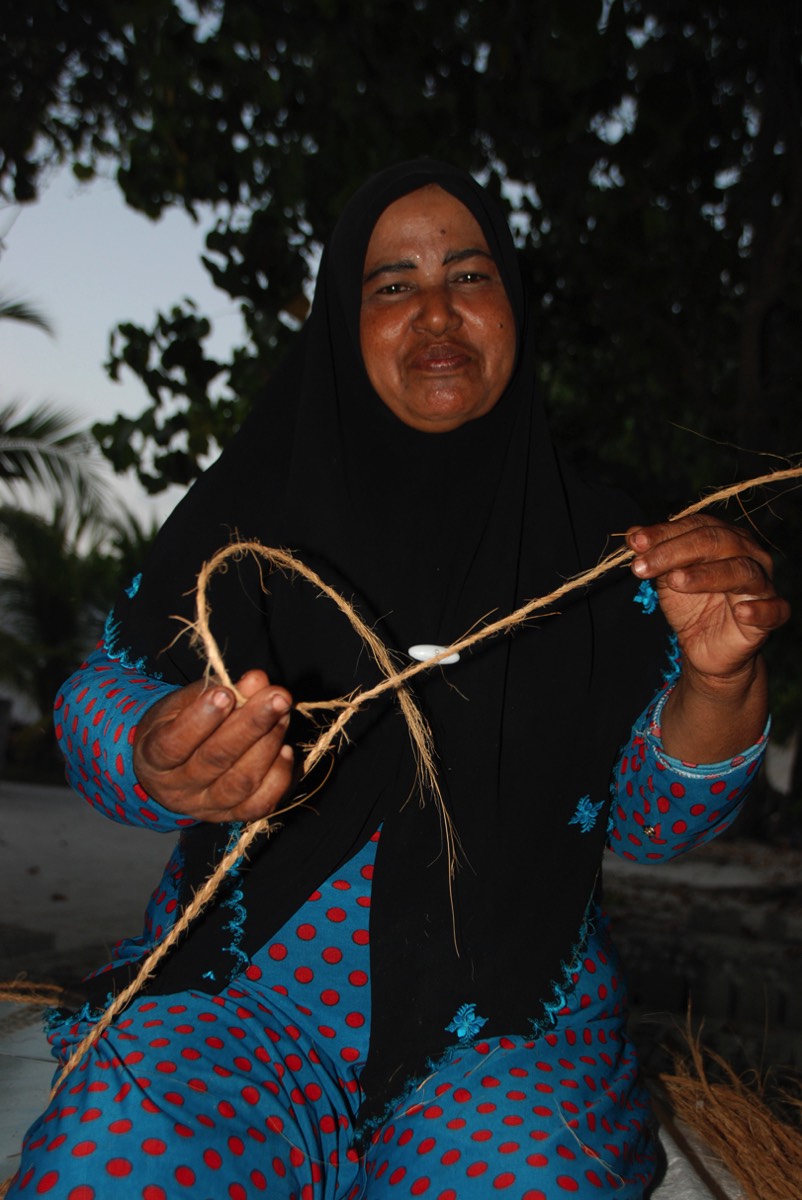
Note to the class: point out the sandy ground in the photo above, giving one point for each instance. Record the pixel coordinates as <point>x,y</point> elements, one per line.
<point>71,881</point>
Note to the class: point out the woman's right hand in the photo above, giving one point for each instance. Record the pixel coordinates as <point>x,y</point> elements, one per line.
<point>197,754</point>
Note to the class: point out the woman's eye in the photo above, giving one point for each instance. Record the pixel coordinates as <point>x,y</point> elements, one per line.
<point>471,277</point>
<point>392,289</point>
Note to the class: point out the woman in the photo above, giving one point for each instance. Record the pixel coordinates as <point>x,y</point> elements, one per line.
<point>469,1036</point>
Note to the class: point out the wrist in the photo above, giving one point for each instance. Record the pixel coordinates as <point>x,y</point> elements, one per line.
<point>730,688</point>
<point>708,718</point>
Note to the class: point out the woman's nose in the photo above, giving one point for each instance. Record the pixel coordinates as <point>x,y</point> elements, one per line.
<point>436,312</point>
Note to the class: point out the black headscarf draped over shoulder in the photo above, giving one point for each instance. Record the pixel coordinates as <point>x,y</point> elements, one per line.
<point>428,534</point>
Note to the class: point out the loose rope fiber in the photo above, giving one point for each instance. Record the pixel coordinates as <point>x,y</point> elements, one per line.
<point>731,1115</point>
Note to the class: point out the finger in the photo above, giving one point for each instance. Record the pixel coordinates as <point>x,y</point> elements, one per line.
<point>662,548</point>
<point>224,774</point>
<point>252,682</point>
<point>259,795</point>
<point>643,537</point>
<point>740,576</point>
<point>173,730</point>
<point>762,614</point>
<point>260,724</point>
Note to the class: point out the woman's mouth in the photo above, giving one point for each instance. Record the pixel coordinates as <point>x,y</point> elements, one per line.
<point>441,357</point>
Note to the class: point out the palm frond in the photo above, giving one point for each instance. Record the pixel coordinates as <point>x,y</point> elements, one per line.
<point>45,448</point>
<point>43,421</point>
<point>19,310</point>
<point>52,600</point>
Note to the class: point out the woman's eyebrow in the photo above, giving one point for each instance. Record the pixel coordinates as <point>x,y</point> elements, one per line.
<point>405,264</point>
<point>471,252</point>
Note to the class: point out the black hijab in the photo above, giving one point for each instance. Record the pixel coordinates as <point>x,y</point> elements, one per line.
<point>428,534</point>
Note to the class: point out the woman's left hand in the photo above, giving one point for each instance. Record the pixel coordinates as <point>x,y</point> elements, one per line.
<point>714,583</point>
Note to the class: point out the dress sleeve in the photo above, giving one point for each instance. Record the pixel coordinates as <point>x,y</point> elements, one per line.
<point>96,715</point>
<point>662,806</point>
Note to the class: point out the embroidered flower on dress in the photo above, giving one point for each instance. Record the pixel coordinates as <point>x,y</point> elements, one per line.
<point>466,1023</point>
<point>586,814</point>
<point>647,596</point>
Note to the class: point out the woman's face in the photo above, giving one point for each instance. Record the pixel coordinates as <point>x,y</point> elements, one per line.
<point>436,327</point>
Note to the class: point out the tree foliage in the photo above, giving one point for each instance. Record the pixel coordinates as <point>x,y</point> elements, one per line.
<point>42,448</point>
<point>59,576</point>
<point>18,310</point>
<point>54,594</point>
<point>657,142</point>
<point>649,150</point>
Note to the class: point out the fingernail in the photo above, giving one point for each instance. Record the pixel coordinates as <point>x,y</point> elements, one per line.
<point>639,541</point>
<point>287,753</point>
<point>639,566</point>
<point>280,704</point>
<point>220,700</point>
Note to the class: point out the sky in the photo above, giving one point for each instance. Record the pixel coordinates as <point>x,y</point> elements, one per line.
<point>86,262</point>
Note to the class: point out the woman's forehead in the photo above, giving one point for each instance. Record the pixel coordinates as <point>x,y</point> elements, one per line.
<point>429,216</point>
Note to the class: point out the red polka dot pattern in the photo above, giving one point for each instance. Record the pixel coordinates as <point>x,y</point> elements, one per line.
<point>480,1125</point>
<point>661,807</point>
<point>225,1095</point>
<point>95,714</point>
<point>265,1089</point>
<point>256,1090</point>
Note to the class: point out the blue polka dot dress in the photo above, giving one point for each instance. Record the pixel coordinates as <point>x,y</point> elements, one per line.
<point>255,1091</point>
